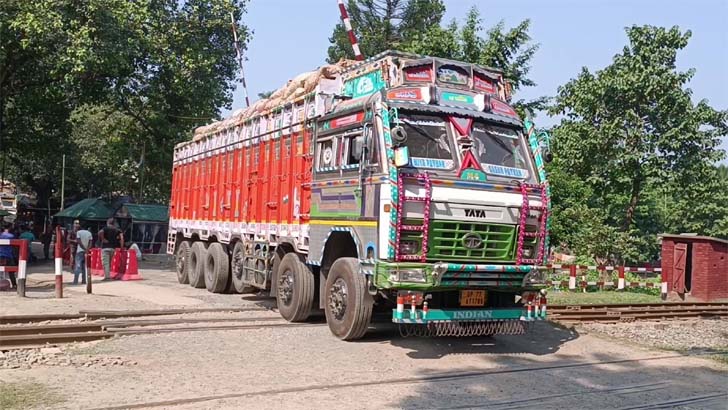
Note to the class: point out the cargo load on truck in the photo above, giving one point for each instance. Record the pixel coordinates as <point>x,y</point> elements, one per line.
<point>404,184</point>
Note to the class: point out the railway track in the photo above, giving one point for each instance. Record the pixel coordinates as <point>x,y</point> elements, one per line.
<point>615,313</point>
<point>30,335</point>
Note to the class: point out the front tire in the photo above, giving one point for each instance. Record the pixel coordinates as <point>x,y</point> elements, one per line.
<point>182,257</point>
<point>295,288</point>
<point>196,265</point>
<point>348,303</point>
<point>217,268</point>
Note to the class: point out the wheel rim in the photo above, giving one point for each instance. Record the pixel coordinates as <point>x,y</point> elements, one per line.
<point>180,263</point>
<point>338,298</point>
<point>238,263</point>
<point>285,287</point>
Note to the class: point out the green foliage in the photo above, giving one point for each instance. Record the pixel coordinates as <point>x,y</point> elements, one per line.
<point>108,73</point>
<point>634,155</point>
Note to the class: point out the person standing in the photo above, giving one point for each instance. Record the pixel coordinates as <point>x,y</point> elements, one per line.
<point>111,238</point>
<point>6,253</point>
<point>83,244</point>
<point>47,238</point>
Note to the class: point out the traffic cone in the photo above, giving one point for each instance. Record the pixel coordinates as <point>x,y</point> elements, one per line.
<point>132,269</point>
<point>118,263</point>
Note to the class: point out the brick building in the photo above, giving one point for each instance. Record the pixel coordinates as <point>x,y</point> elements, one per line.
<point>694,266</point>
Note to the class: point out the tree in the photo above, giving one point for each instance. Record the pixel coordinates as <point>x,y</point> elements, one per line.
<point>165,67</point>
<point>633,135</point>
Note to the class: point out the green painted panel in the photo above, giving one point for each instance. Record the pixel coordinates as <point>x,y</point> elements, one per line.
<point>364,85</point>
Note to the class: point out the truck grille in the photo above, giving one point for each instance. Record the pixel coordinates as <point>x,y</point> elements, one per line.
<point>495,242</point>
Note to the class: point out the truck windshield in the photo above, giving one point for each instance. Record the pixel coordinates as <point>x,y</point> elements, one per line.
<point>499,150</point>
<point>427,141</point>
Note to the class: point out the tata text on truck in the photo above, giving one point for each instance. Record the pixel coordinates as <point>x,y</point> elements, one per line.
<point>402,184</point>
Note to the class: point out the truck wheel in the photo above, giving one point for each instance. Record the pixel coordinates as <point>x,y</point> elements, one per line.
<point>182,257</point>
<point>237,262</point>
<point>348,303</point>
<point>196,265</point>
<point>217,268</point>
<point>295,288</point>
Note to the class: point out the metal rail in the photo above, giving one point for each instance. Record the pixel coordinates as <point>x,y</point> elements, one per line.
<point>633,312</point>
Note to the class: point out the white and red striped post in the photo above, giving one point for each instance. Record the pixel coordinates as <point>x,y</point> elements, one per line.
<point>413,307</point>
<point>349,31</point>
<point>663,285</point>
<point>620,280</point>
<point>58,256</point>
<point>400,307</point>
<point>22,266</point>
<point>572,277</point>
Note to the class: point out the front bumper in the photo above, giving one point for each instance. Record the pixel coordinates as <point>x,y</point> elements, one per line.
<point>447,276</point>
<point>466,315</point>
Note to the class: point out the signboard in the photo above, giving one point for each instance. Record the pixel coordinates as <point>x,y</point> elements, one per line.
<point>481,83</point>
<point>499,107</point>
<point>505,171</point>
<point>343,121</point>
<point>364,85</point>
<point>413,94</point>
<point>461,99</point>
<point>421,74</point>
<point>431,163</point>
<point>450,74</point>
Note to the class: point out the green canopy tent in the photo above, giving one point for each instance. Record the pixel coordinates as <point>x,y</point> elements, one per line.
<point>145,225</point>
<point>92,212</point>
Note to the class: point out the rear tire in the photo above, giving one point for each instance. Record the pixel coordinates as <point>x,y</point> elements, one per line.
<point>182,256</point>
<point>295,288</point>
<point>348,303</point>
<point>217,268</point>
<point>196,265</point>
<point>237,261</point>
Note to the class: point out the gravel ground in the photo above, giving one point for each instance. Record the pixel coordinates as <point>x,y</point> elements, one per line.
<point>54,356</point>
<point>306,368</point>
<point>700,334</point>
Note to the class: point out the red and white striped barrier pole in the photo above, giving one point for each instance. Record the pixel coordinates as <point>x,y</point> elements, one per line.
<point>349,31</point>
<point>22,267</point>
<point>572,277</point>
<point>620,279</point>
<point>58,255</point>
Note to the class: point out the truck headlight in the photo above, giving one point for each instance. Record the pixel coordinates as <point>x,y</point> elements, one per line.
<point>409,275</point>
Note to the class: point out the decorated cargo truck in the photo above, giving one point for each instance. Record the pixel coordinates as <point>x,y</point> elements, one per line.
<point>403,185</point>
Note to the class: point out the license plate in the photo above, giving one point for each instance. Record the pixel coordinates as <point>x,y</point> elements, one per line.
<point>472,298</point>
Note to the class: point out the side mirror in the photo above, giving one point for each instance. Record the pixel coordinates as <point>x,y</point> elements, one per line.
<point>548,156</point>
<point>399,135</point>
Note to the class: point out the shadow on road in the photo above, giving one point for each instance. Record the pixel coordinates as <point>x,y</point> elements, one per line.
<point>544,338</point>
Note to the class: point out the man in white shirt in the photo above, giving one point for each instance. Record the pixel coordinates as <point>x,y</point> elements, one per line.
<point>83,244</point>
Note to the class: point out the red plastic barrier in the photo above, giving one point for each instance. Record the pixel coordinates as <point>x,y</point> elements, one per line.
<point>118,264</point>
<point>95,263</point>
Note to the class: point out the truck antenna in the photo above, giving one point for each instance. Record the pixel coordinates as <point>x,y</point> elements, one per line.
<point>240,59</point>
<point>352,37</point>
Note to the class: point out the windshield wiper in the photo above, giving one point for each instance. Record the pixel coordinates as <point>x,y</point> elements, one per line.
<point>443,144</point>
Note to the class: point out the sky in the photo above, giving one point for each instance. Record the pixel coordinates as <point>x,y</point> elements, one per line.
<point>291,36</point>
